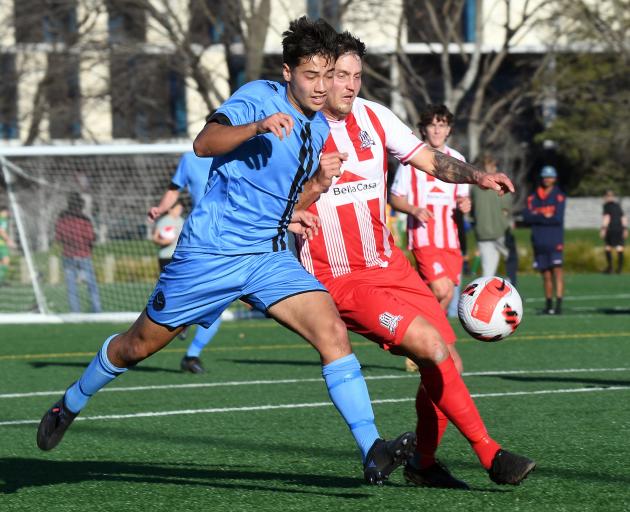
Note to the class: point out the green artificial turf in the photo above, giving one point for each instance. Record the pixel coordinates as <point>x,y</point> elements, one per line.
<point>557,391</point>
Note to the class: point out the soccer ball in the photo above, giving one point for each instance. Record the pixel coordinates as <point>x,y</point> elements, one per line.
<point>490,309</point>
<point>168,233</point>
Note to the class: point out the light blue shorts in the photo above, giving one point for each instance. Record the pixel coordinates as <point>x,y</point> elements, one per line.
<point>195,288</point>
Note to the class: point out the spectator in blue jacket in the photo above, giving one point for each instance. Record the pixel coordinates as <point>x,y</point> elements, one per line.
<point>545,215</point>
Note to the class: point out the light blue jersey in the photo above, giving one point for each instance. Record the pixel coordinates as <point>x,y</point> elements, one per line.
<point>192,173</point>
<point>252,190</point>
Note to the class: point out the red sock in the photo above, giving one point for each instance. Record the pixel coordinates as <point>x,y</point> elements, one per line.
<point>447,390</point>
<point>430,428</point>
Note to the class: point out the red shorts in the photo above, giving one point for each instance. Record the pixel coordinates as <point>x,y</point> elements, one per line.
<point>434,263</point>
<point>380,303</point>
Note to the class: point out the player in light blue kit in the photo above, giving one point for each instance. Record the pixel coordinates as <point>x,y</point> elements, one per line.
<point>192,174</point>
<point>266,141</point>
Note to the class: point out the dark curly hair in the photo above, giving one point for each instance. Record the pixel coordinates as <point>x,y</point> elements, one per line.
<point>432,111</point>
<point>347,43</point>
<point>307,38</point>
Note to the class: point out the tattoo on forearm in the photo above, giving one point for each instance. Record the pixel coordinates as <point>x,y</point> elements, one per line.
<point>451,170</point>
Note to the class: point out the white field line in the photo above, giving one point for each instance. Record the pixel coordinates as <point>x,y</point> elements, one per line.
<point>583,297</point>
<point>299,381</point>
<point>308,405</point>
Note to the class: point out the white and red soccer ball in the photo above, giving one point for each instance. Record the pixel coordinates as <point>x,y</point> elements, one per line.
<point>168,233</point>
<point>490,309</point>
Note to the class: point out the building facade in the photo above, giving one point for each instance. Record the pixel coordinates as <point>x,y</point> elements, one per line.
<point>147,70</point>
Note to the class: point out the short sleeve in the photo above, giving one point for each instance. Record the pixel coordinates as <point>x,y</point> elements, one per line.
<point>400,141</point>
<point>402,181</point>
<point>245,105</point>
<point>180,178</point>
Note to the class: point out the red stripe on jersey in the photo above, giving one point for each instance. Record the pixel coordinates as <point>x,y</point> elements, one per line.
<point>329,145</point>
<point>321,263</point>
<point>374,206</point>
<point>364,152</point>
<point>447,220</point>
<point>378,126</point>
<point>351,235</point>
<point>376,123</point>
<point>431,225</point>
<point>415,201</point>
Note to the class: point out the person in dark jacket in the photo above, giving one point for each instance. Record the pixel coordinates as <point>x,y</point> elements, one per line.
<point>75,233</point>
<point>614,231</point>
<point>545,214</point>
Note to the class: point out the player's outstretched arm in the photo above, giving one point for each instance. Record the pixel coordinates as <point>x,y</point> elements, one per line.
<point>169,198</point>
<point>452,170</point>
<point>217,139</point>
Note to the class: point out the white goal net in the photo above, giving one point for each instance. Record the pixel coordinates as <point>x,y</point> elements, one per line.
<point>115,187</point>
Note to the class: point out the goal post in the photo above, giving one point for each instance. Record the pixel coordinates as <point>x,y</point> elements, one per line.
<point>117,184</point>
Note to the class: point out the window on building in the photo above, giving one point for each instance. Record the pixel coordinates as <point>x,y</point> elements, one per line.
<point>326,9</point>
<point>45,21</point>
<point>8,97</point>
<point>420,28</point>
<point>210,20</point>
<point>127,21</point>
<point>63,95</point>
<point>148,97</point>
<point>469,21</point>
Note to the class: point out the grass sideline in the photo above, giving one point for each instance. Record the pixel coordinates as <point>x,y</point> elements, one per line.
<point>558,391</point>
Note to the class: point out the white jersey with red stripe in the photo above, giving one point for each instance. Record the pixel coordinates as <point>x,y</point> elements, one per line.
<point>353,233</point>
<point>424,191</point>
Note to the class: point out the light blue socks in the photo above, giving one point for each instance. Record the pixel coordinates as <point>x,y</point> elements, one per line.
<point>99,373</point>
<point>349,393</point>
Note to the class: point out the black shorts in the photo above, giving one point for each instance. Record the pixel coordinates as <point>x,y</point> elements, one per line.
<point>614,238</point>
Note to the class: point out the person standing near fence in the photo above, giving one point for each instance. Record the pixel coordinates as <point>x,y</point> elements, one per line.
<point>75,233</point>
<point>493,226</point>
<point>614,231</point>
<point>545,214</point>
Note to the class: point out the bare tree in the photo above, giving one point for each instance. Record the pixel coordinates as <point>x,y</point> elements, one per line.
<point>467,70</point>
<point>70,36</point>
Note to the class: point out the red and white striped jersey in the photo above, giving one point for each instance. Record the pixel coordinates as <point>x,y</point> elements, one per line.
<point>439,197</point>
<point>353,233</point>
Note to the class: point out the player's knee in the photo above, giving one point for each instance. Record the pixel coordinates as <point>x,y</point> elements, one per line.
<point>333,341</point>
<point>425,343</point>
<point>442,290</point>
<point>131,348</point>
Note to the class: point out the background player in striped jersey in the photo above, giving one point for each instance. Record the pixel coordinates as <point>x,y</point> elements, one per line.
<point>191,174</point>
<point>266,140</point>
<point>430,204</point>
<point>377,292</point>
